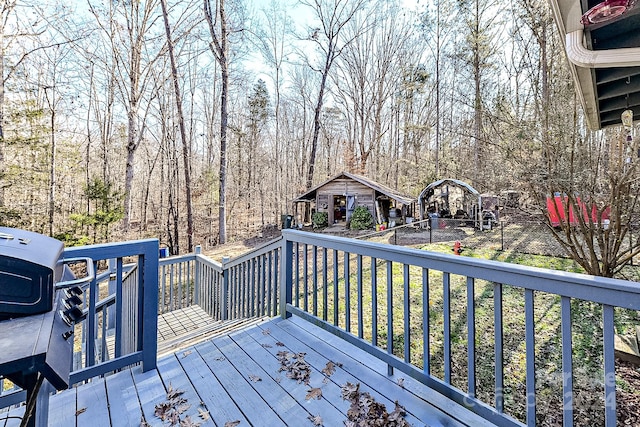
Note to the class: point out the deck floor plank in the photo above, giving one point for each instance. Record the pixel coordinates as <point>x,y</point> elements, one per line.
<point>220,405</point>
<point>254,408</point>
<point>332,411</point>
<point>124,406</point>
<point>151,392</point>
<point>319,356</point>
<point>273,392</point>
<point>428,398</point>
<point>91,405</point>
<point>62,408</point>
<point>174,378</point>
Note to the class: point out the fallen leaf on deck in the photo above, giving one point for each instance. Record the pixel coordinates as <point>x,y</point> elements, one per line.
<point>183,408</point>
<point>401,382</point>
<point>80,411</point>
<point>365,411</point>
<point>267,345</point>
<point>186,353</point>
<point>162,410</point>
<point>172,394</point>
<point>188,422</point>
<point>220,358</point>
<point>330,369</point>
<point>315,419</point>
<point>280,344</point>
<point>295,365</point>
<point>232,423</point>
<point>203,414</point>
<point>143,423</point>
<point>255,378</point>
<point>314,393</point>
<point>266,332</point>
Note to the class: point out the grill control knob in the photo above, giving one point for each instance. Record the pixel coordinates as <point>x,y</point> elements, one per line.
<point>67,335</point>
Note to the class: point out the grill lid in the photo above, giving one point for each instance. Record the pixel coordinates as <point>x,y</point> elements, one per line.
<point>29,268</point>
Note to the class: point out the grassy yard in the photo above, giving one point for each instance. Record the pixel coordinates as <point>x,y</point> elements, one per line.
<point>587,329</point>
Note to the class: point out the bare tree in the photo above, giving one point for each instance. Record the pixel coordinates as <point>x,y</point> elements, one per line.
<point>183,133</point>
<point>134,70</point>
<point>272,43</point>
<point>333,16</point>
<point>217,20</point>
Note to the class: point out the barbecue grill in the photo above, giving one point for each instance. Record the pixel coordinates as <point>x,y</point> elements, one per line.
<point>39,298</point>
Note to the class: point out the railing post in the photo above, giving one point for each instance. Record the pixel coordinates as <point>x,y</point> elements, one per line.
<point>197,279</point>
<point>224,303</point>
<point>286,276</point>
<point>148,282</point>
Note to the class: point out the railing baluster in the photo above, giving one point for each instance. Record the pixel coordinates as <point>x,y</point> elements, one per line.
<point>163,297</point>
<point>335,287</point>
<point>297,280</point>
<point>180,284</point>
<point>567,363</point>
<point>530,356</point>
<point>286,277</point>
<point>253,265</point>
<point>119,309</point>
<point>277,279</point>
<point>446,303</point>
<point>263,285</point>
<point>499,351</point>
<point>360,296</point>
<point>471,337</point>
<point>171,305</point>
<point>389,313</point>
<point>269,283</point>
<point>347,294</point>
<point>374,302</point>
<point>407,309</point>
<point>305,273</point>
<point>325,285</point>
<point>315,280</point>
<point>609,366</point>
<point>197,282</point>
<point>426,324</point>
<point>91,321</point>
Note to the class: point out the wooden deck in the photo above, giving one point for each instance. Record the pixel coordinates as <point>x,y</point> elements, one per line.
<point>236,377</point>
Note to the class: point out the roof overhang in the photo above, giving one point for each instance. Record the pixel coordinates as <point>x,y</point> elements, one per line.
<point>604,58</point>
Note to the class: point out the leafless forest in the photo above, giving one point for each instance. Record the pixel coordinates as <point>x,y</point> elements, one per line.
<point>198,121</point>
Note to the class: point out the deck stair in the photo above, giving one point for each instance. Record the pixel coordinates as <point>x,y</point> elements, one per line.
<point>185,327</point>
<point>179,329</point>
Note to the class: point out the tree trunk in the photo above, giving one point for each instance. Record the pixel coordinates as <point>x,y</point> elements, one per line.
<point>220,49</point>
<point>183,133</point>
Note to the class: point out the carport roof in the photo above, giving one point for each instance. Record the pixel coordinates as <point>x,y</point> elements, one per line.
<point>604,56</point>
<point>429,189</point>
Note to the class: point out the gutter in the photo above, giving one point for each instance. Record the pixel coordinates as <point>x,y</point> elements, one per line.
<point>583,57</point>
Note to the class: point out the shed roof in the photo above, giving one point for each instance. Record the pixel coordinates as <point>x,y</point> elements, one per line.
<point>379,188</point>
<point>603,50</point>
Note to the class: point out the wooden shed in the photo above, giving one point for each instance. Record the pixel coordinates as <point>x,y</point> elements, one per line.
<point>340,195</point>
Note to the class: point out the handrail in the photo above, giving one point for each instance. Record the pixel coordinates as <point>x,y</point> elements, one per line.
<point>257,251</point>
